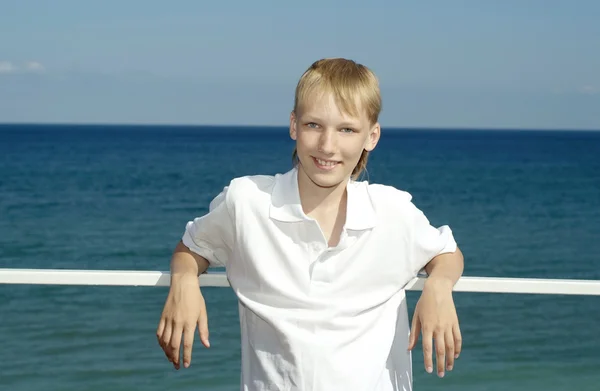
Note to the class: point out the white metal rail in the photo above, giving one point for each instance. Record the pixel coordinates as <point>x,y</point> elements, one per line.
<point>158,278</point>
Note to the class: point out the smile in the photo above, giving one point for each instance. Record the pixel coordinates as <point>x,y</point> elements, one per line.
<point>325,164</point>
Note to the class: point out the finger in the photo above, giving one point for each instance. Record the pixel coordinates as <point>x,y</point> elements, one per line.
<point>160,329</point>
<point>203,326</point>
<point>449,340</point>
<point>188,343</point>
<point>414,333</point>
<point>166,339</point>
<point>440,353</point>
<point>428,350</point>
<point>175,344</point>
<point>457,340</point>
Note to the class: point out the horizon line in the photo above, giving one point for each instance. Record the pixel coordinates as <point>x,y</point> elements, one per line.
<point>254,126</point>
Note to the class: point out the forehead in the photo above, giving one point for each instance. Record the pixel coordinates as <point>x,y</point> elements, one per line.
<point>325,107</point>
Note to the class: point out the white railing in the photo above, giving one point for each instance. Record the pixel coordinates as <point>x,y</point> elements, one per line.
<point>158,278</point>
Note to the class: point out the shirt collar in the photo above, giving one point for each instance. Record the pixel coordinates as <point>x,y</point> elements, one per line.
<point>286,206</point>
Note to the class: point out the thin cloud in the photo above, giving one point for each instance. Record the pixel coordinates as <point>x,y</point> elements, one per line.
<point>589,90</point>
<point>34,66</point>
<point>7,67</point>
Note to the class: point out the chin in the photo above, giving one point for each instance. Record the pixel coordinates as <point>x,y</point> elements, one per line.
<point>326,179</point>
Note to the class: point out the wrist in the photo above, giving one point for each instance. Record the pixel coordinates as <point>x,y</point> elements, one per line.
<point>184,277</point>
<point>439,283</point>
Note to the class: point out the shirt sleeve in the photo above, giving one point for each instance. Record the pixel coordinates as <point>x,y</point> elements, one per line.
<point>428,241</point>
<point>212,236</point>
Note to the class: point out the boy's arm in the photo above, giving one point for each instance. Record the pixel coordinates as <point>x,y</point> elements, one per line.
<point>184,308</point>
<point>445,269</point>
<point>186,262</point>
<point>207,240</point>
<point>435,314</point>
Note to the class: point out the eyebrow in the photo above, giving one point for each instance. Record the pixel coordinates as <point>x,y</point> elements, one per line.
<point>309,118</point>
<point>350,125</point>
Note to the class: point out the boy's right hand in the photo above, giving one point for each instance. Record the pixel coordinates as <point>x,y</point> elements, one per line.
<point>184,309</point>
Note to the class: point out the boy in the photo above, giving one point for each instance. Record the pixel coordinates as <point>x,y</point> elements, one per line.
<point>319,260</point>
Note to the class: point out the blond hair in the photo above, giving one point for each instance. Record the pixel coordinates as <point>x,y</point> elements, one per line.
<point>354,87</point>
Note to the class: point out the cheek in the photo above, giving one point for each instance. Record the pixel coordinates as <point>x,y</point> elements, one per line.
<point>304,141</point>
<point>355,147</point>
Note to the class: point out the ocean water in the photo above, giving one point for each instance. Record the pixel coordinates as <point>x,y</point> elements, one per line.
<point>521,204</point>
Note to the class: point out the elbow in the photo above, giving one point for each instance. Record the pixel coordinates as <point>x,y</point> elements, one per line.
<point>447,261</point>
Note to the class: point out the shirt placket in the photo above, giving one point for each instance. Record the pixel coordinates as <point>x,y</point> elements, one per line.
<point>322,268</point>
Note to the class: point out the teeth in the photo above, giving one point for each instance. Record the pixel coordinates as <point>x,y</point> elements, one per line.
<point>325,162</point>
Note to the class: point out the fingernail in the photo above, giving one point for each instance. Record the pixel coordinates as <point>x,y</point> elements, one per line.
<point>441,374</point>
<point>449,367</point>
<point>456,356</point>
<point>186,364</point>
<point>429,369</point>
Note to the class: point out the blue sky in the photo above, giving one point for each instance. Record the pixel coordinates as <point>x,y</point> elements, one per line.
<point>445,63</point>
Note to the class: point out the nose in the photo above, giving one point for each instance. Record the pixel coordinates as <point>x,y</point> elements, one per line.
<point>327,142</point>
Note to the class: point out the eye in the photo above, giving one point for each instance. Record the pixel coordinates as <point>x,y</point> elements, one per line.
<point>311,125</point>
<point>348,130</point>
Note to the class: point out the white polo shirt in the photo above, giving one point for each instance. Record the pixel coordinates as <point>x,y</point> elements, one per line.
<point>315,318</point>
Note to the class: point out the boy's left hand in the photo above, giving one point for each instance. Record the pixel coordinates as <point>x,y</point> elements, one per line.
<point>435,315</point>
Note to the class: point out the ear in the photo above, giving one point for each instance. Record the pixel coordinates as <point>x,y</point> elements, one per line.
<point>293,132</point>
<point>373,137</point>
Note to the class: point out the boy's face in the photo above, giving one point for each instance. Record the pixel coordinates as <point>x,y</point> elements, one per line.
<point>329,142</point>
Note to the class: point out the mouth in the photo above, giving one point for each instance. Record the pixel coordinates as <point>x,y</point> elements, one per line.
<point>326,165</point>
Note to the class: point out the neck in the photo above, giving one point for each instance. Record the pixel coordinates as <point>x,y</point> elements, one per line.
<point>317,198</point>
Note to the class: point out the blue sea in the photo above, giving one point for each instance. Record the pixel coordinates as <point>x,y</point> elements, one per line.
<point>520,203</point>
